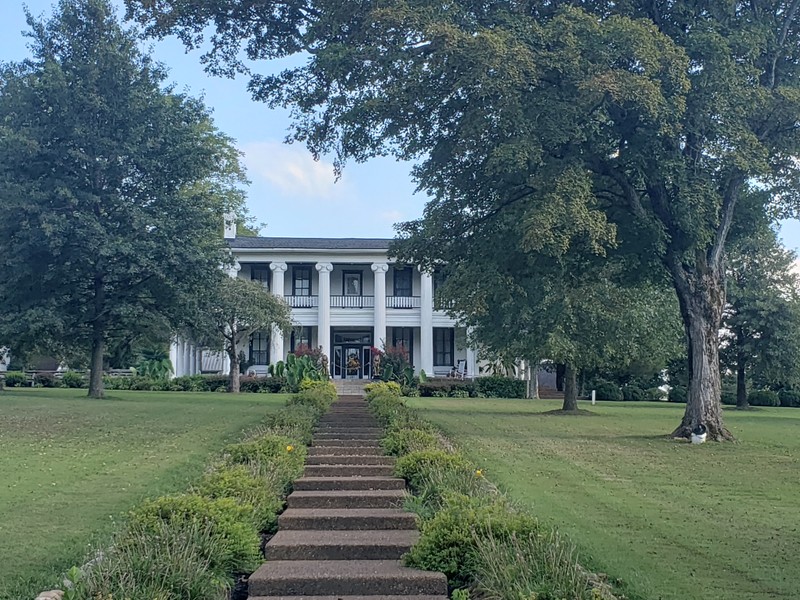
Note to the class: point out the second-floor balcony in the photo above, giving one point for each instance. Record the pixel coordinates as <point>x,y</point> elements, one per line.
<point>402,302</point>
<point>352,301</point>
<point>303,301</point>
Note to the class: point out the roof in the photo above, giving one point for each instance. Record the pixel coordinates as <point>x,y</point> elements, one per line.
<point>311,243</point>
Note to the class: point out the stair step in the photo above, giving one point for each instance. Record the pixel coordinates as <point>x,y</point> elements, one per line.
<point>348,483</point>
<point>348,429</point>
<point>346,443</point>
<point>369,544</point>
<point>375,450</point>
<point>343,577</point>
<point>384,597</point>
<point>372,437</point>
<point>348,471</point>
<point>346,519</point>
<point>346,499</point>
<point>351,459</point>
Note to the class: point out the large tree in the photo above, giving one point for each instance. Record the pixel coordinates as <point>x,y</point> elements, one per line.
<point>650,114</point>
<point>232,310</point>
<point>112,185</point>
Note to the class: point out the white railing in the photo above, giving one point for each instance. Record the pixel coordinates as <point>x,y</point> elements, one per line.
<point>352,302</point>
<point>303,301</point>
<point>402,301</point>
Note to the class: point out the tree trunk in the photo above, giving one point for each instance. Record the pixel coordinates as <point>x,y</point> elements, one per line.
<point>96,374</point>
<point>233,377</point>
<point>560,377</point>
<point>533,380</point>
<point>570,388</point>
<point>701,294</point>
<point>741,385</point>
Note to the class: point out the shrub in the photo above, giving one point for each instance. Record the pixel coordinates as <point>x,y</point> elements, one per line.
<point>380,388</point>
<point>45,380</point>
<point>789,398</point>
<point>444,387</point>
<point>447,542</point>
<point>319,394</point>
<point>728,397</point>
<point>16,379</point>
<point>295,421</point>
<point>678,393</point>
<point>235,547</point>
<point>267,448</point>
<point>496,386</point>
<point>763,398</point>
<point>606,390</point>
<point>654,394</point>
<point>248,489</point>
<point>633,393</point>
<point>416,467</point>
<point>73,379</point>
<point>399,442</point>
<point>158,561</point>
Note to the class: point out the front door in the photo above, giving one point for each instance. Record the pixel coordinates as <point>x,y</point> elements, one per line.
<point>353,364</point>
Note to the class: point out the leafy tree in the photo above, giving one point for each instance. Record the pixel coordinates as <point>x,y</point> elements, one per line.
<point>761,324</point>
<point>602,119</point>
<point>233,310</point>
<point>155,363</point>
<point>113,188</point>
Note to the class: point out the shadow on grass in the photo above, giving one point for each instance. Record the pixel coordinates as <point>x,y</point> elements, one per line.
<point>580,412</point>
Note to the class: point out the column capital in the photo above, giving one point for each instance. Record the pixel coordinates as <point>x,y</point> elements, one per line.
<point>324,267</point>
<point>380,267</point>
<point>278,266</point>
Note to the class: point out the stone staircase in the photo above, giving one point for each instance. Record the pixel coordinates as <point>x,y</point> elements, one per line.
<point>350,387</point>
<point>343,532</point>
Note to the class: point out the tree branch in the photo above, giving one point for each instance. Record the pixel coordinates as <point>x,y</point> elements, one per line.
<point>782,40</point>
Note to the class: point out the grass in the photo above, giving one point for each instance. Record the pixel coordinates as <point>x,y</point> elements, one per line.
<point>71,466</point>
<point>670,520</point>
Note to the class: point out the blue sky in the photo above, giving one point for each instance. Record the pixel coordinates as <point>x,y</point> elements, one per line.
<point>291,193</point>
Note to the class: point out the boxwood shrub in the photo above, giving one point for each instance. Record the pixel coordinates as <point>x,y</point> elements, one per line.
<point>445,387</point>
<point>15,379</point>
<point>763,398</point>
<point>789,398</point>
<point>606,390</point>
<point>496,386</point>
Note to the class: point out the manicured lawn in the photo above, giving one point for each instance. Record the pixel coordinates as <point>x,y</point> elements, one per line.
<point>70,466</point>
<point>671,520</point>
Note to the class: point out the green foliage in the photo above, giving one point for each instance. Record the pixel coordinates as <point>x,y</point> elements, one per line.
<point>235,542</point>
<point>296,421</point>
<point>298,369</point>
<point>763,398</point>
<point>73,379</point>
<point>789,398</point>
<point>274,451</point>
<point>318,394</point>
<point>633,393</point>
<point>380,388</point>
<point>416,467</point>
<point>114,187</point>
<point>248,489</point>
<point>605,390</point>
<point>447,541</point>
<point>47,380</point>
<point>160,560</point>
<point>495,386</point>
<point>677,393</point>
<point>446,387</point>
<point>654,394</point>
<point>401,441</point>
<point>15,379</point>
<point>154,363</point>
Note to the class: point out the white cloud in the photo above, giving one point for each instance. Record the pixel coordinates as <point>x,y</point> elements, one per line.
<point>291,170</point>
<point>392,216</point>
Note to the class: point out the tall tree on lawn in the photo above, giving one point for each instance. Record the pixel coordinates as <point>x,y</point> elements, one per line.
<point>112,185</point>
<point>650,116</point>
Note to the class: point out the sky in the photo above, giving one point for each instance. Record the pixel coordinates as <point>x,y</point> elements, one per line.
<point>289,192</point>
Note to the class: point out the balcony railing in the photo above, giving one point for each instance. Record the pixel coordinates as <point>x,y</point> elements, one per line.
<point>352,302</point>
<point>402,302</point>
<point>303,301</point>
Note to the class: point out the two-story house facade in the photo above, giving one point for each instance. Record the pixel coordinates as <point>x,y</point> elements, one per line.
<point>347,297</point>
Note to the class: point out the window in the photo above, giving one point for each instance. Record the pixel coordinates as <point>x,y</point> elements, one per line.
<point>260,273</point>
<point>301,336</point>
<point>443,341</point>
<point>402,281</point>
<point>404,336</point>
<point>351,283</point>
<point>301,281</point>
<point>259,348</point>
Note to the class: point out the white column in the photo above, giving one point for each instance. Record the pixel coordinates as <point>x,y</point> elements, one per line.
<point>472,363</point>
<point>324,315</point>
<point>173,356</point>
<point>276,348</point>
<point>184,348</point>
<point>192,359</point>
<point>380,303</point>
<point>226,363</point>
<point>199,365</point>
<point>426,324</point>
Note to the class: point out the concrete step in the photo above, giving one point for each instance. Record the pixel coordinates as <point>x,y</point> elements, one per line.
<point>349,519</point>
<point>375,450</point>
<point>348,597</point>
<point>346,436</point>
<point>352,459</point>
<point>371,544</point>
<point>346,499</point>
<point>348,471</point>
<point>348,422</point>
<point>342,578</point>
<point>347,429</point>
<point>346,443</point>
<point>305,484</point>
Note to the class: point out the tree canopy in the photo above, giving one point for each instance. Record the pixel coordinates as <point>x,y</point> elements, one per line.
<point>606,120</point>
<point>113,188</point>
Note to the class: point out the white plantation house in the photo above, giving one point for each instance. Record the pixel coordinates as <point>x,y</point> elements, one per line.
<point>346,296</point>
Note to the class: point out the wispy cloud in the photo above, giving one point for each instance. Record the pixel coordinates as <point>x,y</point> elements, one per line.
<point>291,170</point>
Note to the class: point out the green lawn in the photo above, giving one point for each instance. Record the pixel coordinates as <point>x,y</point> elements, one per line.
<point>70,466</point>
<point>671,520</point>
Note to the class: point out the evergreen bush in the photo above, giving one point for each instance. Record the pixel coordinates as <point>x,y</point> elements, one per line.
<point>763,398</point>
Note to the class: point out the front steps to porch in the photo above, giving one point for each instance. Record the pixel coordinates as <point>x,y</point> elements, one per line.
<point>344,530</point>
<point>350,387</point>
